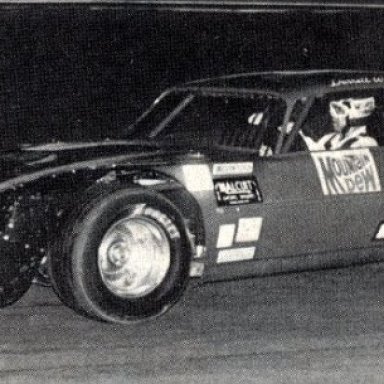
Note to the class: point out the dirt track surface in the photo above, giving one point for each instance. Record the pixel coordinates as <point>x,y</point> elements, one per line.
<point>313,327</point>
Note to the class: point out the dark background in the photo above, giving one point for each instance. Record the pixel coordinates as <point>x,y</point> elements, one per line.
<point>80,72</point>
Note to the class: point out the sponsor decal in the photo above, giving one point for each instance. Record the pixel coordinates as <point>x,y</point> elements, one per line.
<point>249,229</point>
<point>226,235</point>
<point>228,169</point>
<point>197,178</point>
<point>235,254</point>
<point>380,232</point>
<point>347,172</point>
<point>360,80</point>
<point>237,191</point>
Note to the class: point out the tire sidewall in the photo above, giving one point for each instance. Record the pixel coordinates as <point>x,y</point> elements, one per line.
<point>89,289</point>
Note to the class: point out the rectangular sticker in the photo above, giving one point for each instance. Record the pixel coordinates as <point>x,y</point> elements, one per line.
<point>237,191</point>
<point>347,172</point>
<point>232,169</point>
<point>249,229</point>
<point>235,254</point>
<point>197,177</point>
<point>380,232</point>
<point>226,235</point>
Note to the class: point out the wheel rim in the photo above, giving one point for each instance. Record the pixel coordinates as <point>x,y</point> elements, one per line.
<point>134,257</point>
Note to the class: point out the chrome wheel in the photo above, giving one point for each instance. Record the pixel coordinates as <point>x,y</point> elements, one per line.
<point>134,257</point>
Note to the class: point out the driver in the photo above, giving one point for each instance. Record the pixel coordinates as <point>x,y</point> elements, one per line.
<point>349,120</point>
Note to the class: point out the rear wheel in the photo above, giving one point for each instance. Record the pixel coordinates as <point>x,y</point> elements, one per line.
<point>16,273</point>
<point>124,257</point>
<point>13,288</point>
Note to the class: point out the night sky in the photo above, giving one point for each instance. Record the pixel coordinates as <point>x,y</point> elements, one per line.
<point>81,73</point>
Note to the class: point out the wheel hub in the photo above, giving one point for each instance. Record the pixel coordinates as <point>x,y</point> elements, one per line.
<point>134,257</point>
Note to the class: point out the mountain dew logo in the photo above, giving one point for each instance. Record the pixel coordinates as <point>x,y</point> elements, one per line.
<point>346,172</point>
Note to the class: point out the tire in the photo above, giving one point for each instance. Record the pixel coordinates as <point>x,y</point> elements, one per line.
<point>14,289</point>
<point>123,256</point>
<point>16,274</point>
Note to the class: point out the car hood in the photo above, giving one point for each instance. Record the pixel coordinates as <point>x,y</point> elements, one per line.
<point>61,157</point>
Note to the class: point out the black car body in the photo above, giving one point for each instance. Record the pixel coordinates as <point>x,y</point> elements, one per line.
<point>215,181</point>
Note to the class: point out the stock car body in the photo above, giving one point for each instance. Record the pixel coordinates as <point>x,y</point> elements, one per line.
<point>213,182</point>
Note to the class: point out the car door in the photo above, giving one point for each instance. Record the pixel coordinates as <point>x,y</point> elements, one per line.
<point>319,202</point>
<point>295,205</point>
<point>305,204</point>
<point>330,198</point>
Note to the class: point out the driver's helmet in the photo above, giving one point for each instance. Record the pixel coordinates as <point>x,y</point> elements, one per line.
<point>351,110</point>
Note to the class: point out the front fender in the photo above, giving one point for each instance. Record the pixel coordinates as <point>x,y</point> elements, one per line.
<point>170,188</point>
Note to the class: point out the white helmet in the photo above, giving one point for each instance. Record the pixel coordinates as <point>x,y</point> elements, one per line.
<point>352,109</point>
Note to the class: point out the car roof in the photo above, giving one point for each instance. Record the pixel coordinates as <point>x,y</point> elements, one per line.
<point>296,83</point>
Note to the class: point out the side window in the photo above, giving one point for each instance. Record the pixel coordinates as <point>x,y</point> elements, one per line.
<point>232,123</point>
<point>243,122</point>
<point>255,126</point>
<point>343,121</point>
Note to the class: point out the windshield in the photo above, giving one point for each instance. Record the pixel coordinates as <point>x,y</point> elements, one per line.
<point>184,118</point>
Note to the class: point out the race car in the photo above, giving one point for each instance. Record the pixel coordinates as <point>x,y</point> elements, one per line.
<point>224,178</point>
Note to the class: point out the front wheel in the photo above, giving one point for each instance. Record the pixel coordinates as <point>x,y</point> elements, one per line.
<point>123,257</point>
